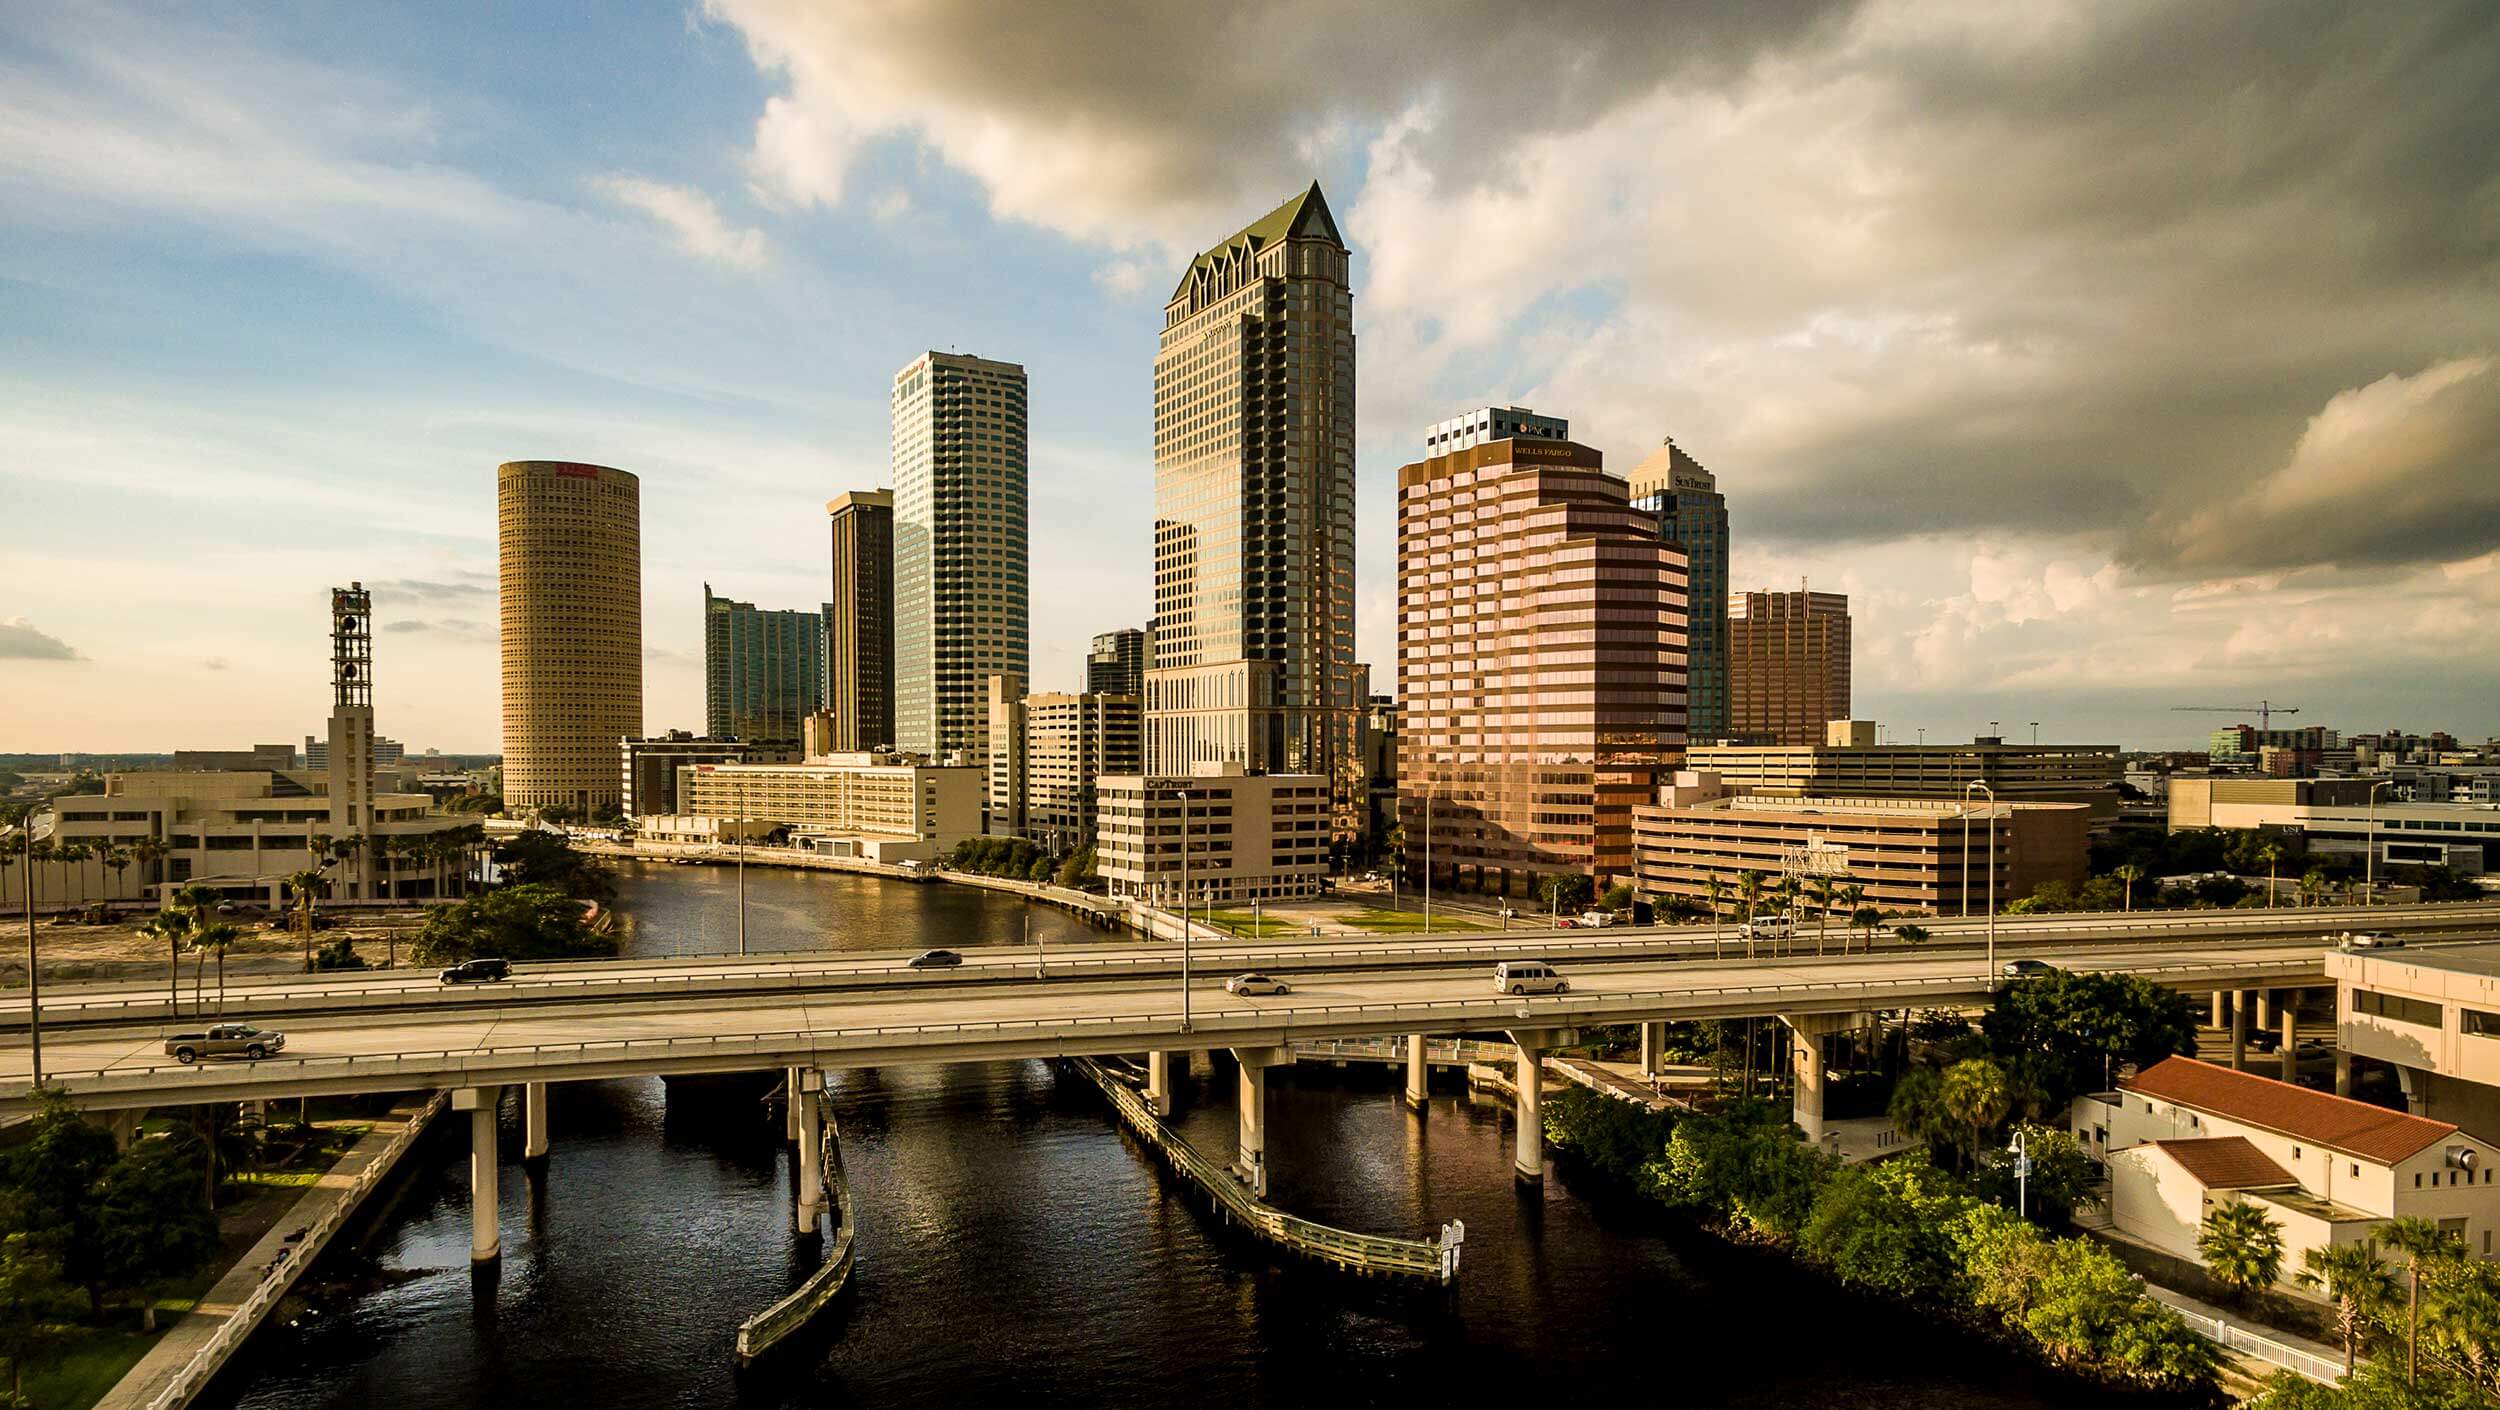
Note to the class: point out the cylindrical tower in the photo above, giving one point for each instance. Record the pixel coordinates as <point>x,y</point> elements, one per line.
<point>571,541</point>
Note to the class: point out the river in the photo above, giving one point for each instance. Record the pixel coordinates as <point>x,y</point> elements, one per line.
<point>1014,1249</point>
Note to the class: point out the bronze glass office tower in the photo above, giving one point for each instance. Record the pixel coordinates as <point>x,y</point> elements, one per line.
<point>1692,512</point>
<point>1540,664</point>
<point>1787,665</point>
<point>859,623</point>
<point>1253,657</point>
<point>570,540</point>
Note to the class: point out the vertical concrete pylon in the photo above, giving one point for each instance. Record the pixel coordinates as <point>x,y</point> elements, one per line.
<point>534,1121</point>
<point>2290,1011</point>
<point>485,1218</point>
<point>1418,1073</point>
<point>1528,1149</point>
<point>807,1096</point>
<point>1159,1082</point>
<point>1251,1162</point>
<point>2239,1032</point>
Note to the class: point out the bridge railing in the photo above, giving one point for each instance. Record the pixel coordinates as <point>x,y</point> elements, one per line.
<point>761,1332</point>
<point>470,1065</point>
<point>1446,1051</point>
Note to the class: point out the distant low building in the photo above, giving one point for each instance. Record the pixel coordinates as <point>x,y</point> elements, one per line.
<point>1850,764</point>
<point>650,767</point>
<point>884,807</point>
<point>1047,751</point>
<point>2335,817</point>
<point>1245,837</point>
<point>261,758</point>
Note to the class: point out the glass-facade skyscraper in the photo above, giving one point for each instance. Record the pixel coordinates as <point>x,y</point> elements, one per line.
<point>1693,514</point>
<point>763,671</point>
<point>962,600</point>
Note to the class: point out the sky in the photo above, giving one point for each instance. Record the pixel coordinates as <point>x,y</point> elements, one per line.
<point>2111,356</point>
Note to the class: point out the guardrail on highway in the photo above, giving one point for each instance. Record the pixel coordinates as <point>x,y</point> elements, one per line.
<point>476,1066</point>
<point>1376,1255</point>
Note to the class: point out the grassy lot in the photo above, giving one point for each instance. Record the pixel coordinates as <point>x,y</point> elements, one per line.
<point>1382,921</point>
<point>1239,923</point>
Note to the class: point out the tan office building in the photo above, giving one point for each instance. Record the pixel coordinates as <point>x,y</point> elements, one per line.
<point>1253,657</point>
<point>570,538</point>
<point>961,548</point>
<point>859,625</point>
<point>1540,664</point>
<point>885,807</point>
<point>1245,837</point>
<point>1851,765</point>
<point>1787,665</point>
<point>1907,852</point>
<point>1046,751</point>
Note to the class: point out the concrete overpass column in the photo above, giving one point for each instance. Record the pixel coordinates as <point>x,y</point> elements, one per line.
<point>2343,1073</point>
<point>1251,1162</point>
<point>485,1220</point>
<point>2219,1004</point>
<point>1653,1038</point>
<point>1418,1074</point>
<point>1159,1082</point>
<point>534,1121</point>
<point>2290,1011</point>
<point>807,1098</point>
<point>2239,1032</point>
<point>790,1104</point>
<point>1528,1158</point>
<point>2265,1009</point>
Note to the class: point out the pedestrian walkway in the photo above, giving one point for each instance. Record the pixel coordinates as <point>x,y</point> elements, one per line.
<point>2254,1340</point>
<point>192,1350</point>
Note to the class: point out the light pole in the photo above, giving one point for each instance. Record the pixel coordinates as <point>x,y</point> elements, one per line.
<point>742,865</point>
<point>2369,862</point>
<point>1992,868</point>
<point>34,982</point>
<point>2022,1173</point>
<point>1183,795</point>
<point>2035,732</point>
<point>1430,788</point>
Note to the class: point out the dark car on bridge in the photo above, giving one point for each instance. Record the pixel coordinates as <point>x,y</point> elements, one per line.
<point>936,959</point>
<point>477,972</point>
<point>2028,969</point>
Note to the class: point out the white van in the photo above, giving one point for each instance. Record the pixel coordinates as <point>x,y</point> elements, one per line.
<point>1528,977</point>
<point>1597,920</point>
<point>1771,927</point>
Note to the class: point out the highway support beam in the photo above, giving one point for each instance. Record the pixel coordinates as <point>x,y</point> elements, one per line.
<point>534,1121</point>
<point>1159,1082</point>
<point>2343,1073</point>
<point>807,1095</point>
<point>1653,1038</point>
<point>2239,1031</point>
<point>1527,1165</point>
<point>2289,1012</point>
<point>1418,1073</point>
<point>1250,1163</point>
<point>2265,1009</point>
<point>2220,1016</point>
<point>485,1219</point>
<point>1806,1033</point>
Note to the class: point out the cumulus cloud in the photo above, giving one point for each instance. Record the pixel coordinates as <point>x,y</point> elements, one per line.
<point>690,216</point>
<point>20,641</point>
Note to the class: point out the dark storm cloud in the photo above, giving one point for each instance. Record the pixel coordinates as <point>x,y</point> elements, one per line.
<point>20,641</point>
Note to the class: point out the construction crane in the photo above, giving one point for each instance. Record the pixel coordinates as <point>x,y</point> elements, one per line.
<point>2264,710</point>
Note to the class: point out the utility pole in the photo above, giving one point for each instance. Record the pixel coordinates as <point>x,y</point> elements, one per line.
<point>1183,795</point>
<point>34,980</point>
<point>742,866</point>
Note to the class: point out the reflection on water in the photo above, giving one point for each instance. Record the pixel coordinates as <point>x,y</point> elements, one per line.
<point>693,910</point>
<point>1015,1249</point>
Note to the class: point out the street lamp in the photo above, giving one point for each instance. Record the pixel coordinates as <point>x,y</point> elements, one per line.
<point>1430,788</point>
<point>34,983</point>
<point>2035,731</point>
<point>2369,863</point>
<point>1183,795</point>
<point>1992,866</point>
<point>742,864</point>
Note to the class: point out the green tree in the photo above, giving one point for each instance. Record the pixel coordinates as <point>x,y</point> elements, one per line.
<point>1566,894</point>
<point>2073,1029</point>
<point>1911,935</point>
<point>36,1306</point>
<point>1749,899</point>
<point>535,922</point>
<point>1716,890</point>
<point>2421,1242</point>
<point>1747,1167</point>
<point>2242,1247</point>
<point>152,1218</point>
<point>2271,854</point>
<point>337,955</point>
<point>307,887</point>
<point>1866,919</point>
<point>214,936</point>
<point>535,858</point>
<point>1979,1096</point>
<point>1886,1225</point>
<point>173,926</point>
<point>2353,1278</point>
<point>1618,897</point>
<point>2128,875</point>
<point>1615,1137</point>
<point>2062,1176</point>
<point>1917,1108</point>
<point>55,1169</point>
<point>1825,895</point>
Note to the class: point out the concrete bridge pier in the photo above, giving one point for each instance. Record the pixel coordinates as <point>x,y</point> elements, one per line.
<point>1418,1073</point>
<point>534,1121</point>
<point>1653,1039</point>
<point>1528,1149</point>
<point>2239,1032</point>
<point>807,1095</point>
<point>485,1220</point>
<point>2265,1008</point>
<point>1806,1034</point>
<point>2221,1003</point>
<point>1251,1162</point>
<point>1159,1082</point>
<point>2290,1012</point>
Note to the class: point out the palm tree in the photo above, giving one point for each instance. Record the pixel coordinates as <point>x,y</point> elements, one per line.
<point>37,854</point>
<point>1823,892</point>
<point>2464,1324</point>
<point>2272,855</point>
<point>2242,1247</point>
<point>149,852</point>
<point>71,856</point>
<point>115,859</point>
<point>1716,890</point>
<point>384,849</point>
<point>2128,875</point>
<point>1852,899</point>
<point>1789,888</point>
<point>173,926</point>
<point>214,936</point>
<point>1978,1095</point>
<point>2421,1241</point>
<point>2355,1281</point>
<point>1910,935</point>
<point>1866,918</point>
<point>1749,895</point>
<point>2312,887</point>
<point>8,859</point>
<point>306,886</point>
<point>198,904</point>
<point>346,849</point>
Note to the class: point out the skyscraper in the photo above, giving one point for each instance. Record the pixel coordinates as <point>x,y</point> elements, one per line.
<point>570,540</point>
<point>1253,656</point>
<point>763,670</point>
<point>859,622</point>
<point>1117,664</point>
<point>1787,665</point>
<point>1540,664</point>
<point>1693,513</point>
<point>961,595</point>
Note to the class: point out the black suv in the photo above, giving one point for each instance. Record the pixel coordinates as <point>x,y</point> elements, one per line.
<point>477,972</point>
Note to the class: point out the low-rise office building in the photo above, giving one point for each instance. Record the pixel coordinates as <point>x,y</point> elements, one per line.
<point>885,807</point>
<point>1219,835</point>
<point>1850,764</point>
<point>2185,1137</point>
<point>650,767</point>
<point>1047,750</point>
<point>1909,853</point>
<point>2432,1014</point>
<point>2336,817</point>
<point>240,833</point>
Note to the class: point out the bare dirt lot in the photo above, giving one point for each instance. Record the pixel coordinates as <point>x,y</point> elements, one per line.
<point>121,951</point>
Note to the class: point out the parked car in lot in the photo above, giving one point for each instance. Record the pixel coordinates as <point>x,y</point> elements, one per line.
<point>1256,984</point>
<point>936,959</point>
<point>1528,977</point>
<point>2368,940</point>
<point>225,1040</point>
<point>2027,969</point>
<point>480,971</point>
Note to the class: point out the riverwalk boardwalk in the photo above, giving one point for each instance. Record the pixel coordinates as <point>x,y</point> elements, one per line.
<point>191,1352</point>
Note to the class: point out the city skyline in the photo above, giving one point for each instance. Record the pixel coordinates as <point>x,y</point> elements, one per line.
<point>2160,467</point>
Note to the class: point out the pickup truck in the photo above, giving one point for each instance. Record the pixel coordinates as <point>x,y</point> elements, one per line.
<point>225,1040</point>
